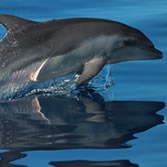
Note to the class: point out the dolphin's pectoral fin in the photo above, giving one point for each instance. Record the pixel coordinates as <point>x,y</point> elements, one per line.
<point>91,68</point>
<point>13,22</point>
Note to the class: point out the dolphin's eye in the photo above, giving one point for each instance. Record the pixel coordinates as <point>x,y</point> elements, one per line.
<point>129,42</point>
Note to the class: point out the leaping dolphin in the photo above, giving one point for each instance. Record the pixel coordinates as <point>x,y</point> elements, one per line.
<point>38,51</point>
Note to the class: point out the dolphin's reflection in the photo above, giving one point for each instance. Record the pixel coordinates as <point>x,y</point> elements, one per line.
<point>51,123</point>
<point>74,122</point>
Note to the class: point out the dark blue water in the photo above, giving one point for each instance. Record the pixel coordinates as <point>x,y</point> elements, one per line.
<point>124,126</point>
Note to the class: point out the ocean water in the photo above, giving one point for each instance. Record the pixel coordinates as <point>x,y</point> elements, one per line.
<point>123,126</point>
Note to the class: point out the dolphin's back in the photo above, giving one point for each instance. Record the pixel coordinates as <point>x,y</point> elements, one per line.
<point>67,34</point>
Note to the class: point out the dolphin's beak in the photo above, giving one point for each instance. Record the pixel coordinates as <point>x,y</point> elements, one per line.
<point>158,54</point>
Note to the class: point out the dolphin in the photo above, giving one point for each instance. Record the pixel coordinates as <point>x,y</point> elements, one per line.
<point>37,51</point>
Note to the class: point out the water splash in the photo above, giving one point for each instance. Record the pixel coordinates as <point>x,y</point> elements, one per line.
<point>62,86</point>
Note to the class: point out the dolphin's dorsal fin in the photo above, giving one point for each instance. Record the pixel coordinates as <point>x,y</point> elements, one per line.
<point>13,22</point>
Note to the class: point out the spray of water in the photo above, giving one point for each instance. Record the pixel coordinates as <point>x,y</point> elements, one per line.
<point>62,86</point>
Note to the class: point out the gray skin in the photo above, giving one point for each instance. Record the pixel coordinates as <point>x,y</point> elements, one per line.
<point>38,51</point>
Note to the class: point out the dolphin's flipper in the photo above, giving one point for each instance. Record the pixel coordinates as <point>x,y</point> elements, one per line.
<point>13,22</point>
<point>91,68</point>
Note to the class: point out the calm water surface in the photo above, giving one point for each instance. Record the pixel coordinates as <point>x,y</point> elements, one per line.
<point>124,126</point>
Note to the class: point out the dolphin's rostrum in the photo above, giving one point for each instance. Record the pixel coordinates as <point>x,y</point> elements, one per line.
<point>38,51</point>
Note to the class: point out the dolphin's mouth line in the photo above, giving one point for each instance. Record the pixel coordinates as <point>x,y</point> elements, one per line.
<point>153,50</point>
